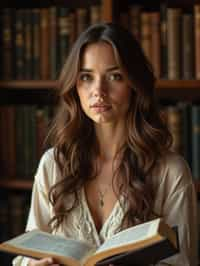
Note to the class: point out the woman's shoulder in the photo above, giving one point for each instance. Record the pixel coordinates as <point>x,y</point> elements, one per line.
<point>47,156</point>
<point>47,171</point>
<point>173,169</point>
<point>174,161</point>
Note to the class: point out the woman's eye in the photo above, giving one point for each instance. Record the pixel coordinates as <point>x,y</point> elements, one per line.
<point>85,77</point>
<point>115,76</point>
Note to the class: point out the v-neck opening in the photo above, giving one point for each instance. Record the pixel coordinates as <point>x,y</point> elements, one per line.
<point>85,202</point>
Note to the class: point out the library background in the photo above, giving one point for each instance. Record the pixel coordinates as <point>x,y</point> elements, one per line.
<point>35,40</point>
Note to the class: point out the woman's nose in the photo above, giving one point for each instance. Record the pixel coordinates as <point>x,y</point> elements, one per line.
<point>100,88</point>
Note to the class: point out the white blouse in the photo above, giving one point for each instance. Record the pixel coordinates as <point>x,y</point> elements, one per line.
<point>175,202</point>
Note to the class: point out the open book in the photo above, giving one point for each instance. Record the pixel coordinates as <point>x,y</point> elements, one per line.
<point>150,242</point>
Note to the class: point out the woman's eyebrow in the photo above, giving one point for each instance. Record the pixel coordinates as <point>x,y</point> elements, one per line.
<point>85,70</point>
<point>112,68</point>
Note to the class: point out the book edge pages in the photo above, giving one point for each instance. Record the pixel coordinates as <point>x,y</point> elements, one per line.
<point>68,261</point>
<point>151,231</point>
<point>27,235</point>
<point>91,261</point>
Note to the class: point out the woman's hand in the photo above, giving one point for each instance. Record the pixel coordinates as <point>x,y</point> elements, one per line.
<point>43,262</point>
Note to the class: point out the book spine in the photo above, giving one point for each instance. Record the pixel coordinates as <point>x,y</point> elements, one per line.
<point>156,53</point>
<point>174,42</point>
<point>42,121</point>
<point>185,110</point>
<point>195,112</point>
<point>44,44</point>
<point>28,42</point>
<point>82,19</point>
<point>135,23</point>
<point>18,204</point>
<point>8,158</point>
<point>64,34</point>
<point>4,222</point>
<point>72,27</point>
<point>174,124</point>
<point>95,14</point>
<point>36,43</point>
<point>146,33</point>
<point>197,40</point>
<point>20,153</point>
<point>188,47</point>
<point>32,141</point>
<point>124,19</point>
<point>19,44</point>
<point>11,141</point>
<point>29,141</point>
<point>53,13</point>
<point>7,44</point>
<point>163,39</point>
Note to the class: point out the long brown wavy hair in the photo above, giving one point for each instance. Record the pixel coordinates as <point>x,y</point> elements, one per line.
<point>73,136</point>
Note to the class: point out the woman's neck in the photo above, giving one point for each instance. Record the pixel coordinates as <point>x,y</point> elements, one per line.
<point>110,139</point>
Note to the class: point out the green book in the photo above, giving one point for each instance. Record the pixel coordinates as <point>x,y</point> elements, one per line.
<point>195,118</point>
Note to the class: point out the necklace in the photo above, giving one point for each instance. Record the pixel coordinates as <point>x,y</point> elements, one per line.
<point>102,195</point>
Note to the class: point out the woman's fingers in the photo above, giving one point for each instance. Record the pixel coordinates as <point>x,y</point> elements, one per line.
<point>42,262</point>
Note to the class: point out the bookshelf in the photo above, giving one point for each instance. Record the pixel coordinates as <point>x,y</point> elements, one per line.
<point>17,184</point>
<point>28,91</point>
<point>21,92</point>
<point>172,89</point>
<point>167,90</point>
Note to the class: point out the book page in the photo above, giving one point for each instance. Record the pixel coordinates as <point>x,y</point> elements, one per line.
<point>130,235</point>
<point>45,242</point>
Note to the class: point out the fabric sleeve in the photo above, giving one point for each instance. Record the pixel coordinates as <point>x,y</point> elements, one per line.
<point>180,208</point>
<point>39,213</point>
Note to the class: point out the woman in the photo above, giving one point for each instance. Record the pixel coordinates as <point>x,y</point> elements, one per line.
<point>111,166</point>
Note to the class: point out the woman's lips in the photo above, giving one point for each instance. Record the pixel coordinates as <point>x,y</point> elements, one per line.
<point>100,108</point>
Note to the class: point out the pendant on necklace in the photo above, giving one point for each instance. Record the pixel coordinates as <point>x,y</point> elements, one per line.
<point>101,203</point>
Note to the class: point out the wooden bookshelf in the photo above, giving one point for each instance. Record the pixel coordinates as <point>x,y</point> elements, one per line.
<point>52,84</point>
<point>182,90</point>
<point>28,84</point>
<point>178,84</point>
<point>16,184</point>
<point>165,89</point>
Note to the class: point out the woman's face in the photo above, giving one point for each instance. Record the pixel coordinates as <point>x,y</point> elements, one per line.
<point>102,85</point>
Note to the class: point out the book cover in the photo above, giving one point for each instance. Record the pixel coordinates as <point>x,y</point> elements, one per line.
<point>142,257</point>
<point>134,240</point>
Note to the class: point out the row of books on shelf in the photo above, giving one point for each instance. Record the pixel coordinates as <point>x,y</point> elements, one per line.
<point>169,37</point>
<point>23,129</point>
<point>22,135</point>
<point>14,208</point>
<point>183,122</point>
<point>36,41</point>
